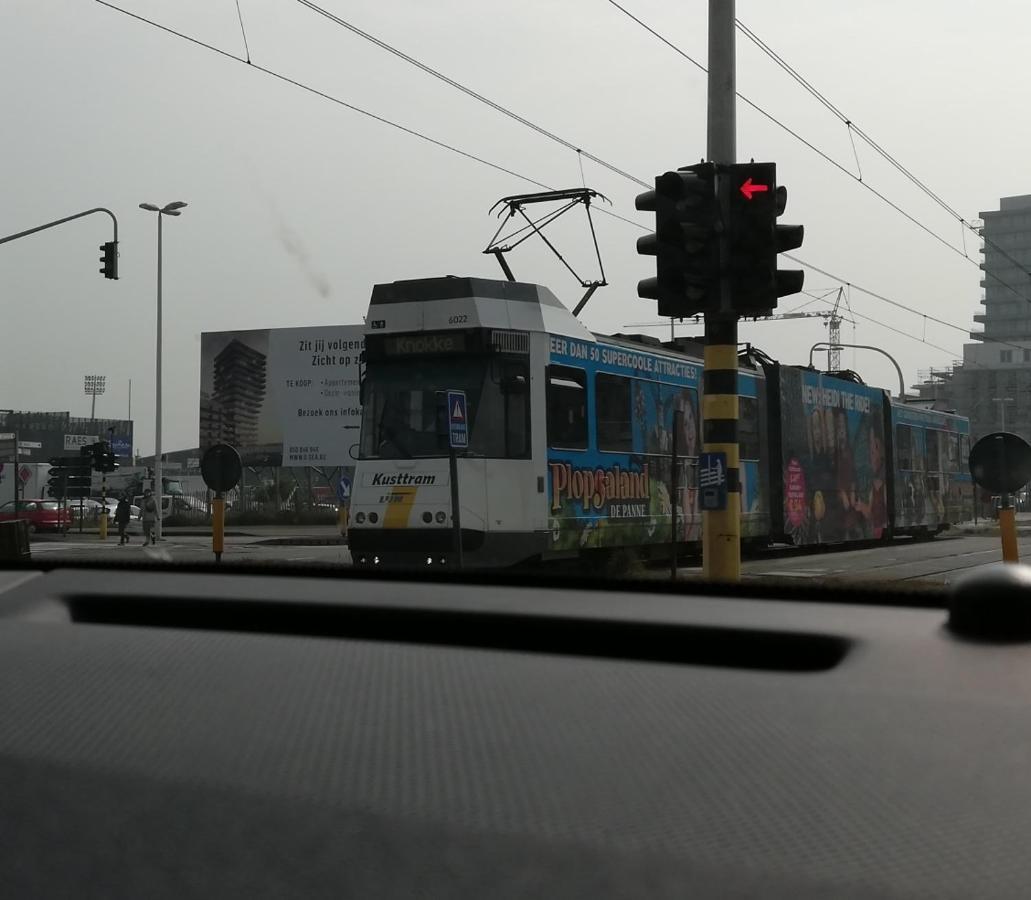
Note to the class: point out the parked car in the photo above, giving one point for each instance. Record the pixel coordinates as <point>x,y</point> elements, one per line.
<point>41,514</point>
<point>91,509</point>
<point>112,505</point>
<point>87,508</point>
<point>176,505</point>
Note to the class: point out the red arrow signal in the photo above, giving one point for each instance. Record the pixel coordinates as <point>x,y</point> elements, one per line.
<point>748,188</point>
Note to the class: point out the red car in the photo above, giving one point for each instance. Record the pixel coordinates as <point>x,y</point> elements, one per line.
<point>41,514</point>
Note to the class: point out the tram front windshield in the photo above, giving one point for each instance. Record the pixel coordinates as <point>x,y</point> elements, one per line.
<point>404,409</point>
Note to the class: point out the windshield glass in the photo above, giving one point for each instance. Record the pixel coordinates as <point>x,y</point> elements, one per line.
<point>405,414</point>
<point>300,309</point>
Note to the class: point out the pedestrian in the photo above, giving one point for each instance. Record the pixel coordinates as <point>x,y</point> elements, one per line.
<point>122,513</point>
<point>149,516</point>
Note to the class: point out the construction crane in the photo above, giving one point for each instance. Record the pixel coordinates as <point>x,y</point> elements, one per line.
<point>833,316</point>
<point>834,319</point>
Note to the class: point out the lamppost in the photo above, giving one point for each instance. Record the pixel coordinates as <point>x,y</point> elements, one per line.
<point>170,209</point>
<point>94,384</point>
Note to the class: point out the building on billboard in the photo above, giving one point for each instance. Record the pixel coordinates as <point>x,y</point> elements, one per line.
<point>62,434</point>
<point>239,393</point>
<point>283,396</point>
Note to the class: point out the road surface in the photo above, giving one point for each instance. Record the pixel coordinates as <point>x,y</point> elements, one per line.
<point>937,561</point>
<point>940,560</point>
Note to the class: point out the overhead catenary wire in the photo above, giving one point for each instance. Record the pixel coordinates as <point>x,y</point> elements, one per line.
<point>899,305</point>
<point>364,112</point>
<point>429,70</point>
<point>581,153</point>
<point>839,166</point>
<point>243,31</point>
<point>853,128</point>
<point>306,87</point>
<point>480,160</point>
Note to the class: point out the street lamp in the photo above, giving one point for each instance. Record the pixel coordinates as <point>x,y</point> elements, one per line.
<point>94,384</point>
<point>170,209</point>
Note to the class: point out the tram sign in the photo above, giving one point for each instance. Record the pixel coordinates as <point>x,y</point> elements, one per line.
<point>457,419</point>
<point>712,481</point>
<point>1001,462</point>
<point>344,488</point>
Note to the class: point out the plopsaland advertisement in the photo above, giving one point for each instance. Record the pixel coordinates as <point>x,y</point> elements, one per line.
<point>283,396</point>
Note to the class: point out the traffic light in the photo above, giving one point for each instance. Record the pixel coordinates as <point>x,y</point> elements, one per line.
<point>80,475</point>
<point>109,260</point>
<point>685,243</point>
<point>103,458</point>
<point>752,201</point>
<point>70,476</point>
<point>56,484</point>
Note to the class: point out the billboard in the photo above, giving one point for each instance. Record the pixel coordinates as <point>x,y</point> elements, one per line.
<point>283,396</point>
<point>835,480</point>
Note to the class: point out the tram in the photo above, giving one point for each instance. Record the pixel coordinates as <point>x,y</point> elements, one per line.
<point>570,438</point>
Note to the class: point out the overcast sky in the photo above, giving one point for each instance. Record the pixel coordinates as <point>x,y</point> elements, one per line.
<point>297,206</point>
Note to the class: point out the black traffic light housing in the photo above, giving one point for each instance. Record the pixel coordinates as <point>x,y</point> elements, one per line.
<point>109,259</point>
<point>685,243</point>
<point>103,458</point>
<point>56,483</point>
<point>751,201</point>
<point>70,477</point>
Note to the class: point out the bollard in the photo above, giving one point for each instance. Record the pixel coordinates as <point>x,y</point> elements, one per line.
<point>218,526</point>
<point>1008,533</point>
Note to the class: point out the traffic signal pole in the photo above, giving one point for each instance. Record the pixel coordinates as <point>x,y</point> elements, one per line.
<point>721,529</point>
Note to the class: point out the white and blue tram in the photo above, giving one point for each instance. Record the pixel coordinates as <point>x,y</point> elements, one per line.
<point>571,434</point>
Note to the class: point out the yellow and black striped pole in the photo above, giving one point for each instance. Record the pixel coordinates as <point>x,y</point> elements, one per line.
<point>102,524</point>
<point>721,529</point>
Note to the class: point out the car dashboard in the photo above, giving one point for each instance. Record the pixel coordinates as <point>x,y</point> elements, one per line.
<point>179,733</point>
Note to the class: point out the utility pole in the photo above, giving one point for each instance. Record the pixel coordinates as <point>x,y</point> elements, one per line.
<point>721,529</point>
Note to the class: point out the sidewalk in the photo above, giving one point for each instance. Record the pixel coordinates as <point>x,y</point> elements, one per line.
<point>991,526</point>
<point>294,535</point>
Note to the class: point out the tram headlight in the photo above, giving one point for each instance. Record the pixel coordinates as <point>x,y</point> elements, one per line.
<point>375,560</point>
<point>359,519</point>
<point>427,517</point>
<point>441,517</point>
<point>373,518</point>
<point>429,560</point>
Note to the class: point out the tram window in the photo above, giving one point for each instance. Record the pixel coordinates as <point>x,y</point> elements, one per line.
<point>951,452</point>
<point>904,446</point>
<point>933,455</point>
<point>748,427</point>
<point>567,408</point>
<point>612,411</point>
<point>515,387</point>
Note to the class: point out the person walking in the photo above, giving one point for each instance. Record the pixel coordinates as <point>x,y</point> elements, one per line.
<point>149,516</point>
<point>122,514</point>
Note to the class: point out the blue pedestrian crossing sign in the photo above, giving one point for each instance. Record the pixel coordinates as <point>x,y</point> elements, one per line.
<point>712,481</point>
<point>344,488</point>
<point>457,419</point>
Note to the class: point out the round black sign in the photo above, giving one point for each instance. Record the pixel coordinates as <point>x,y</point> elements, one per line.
<point>221,467</point>
<point>1001,462</point>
